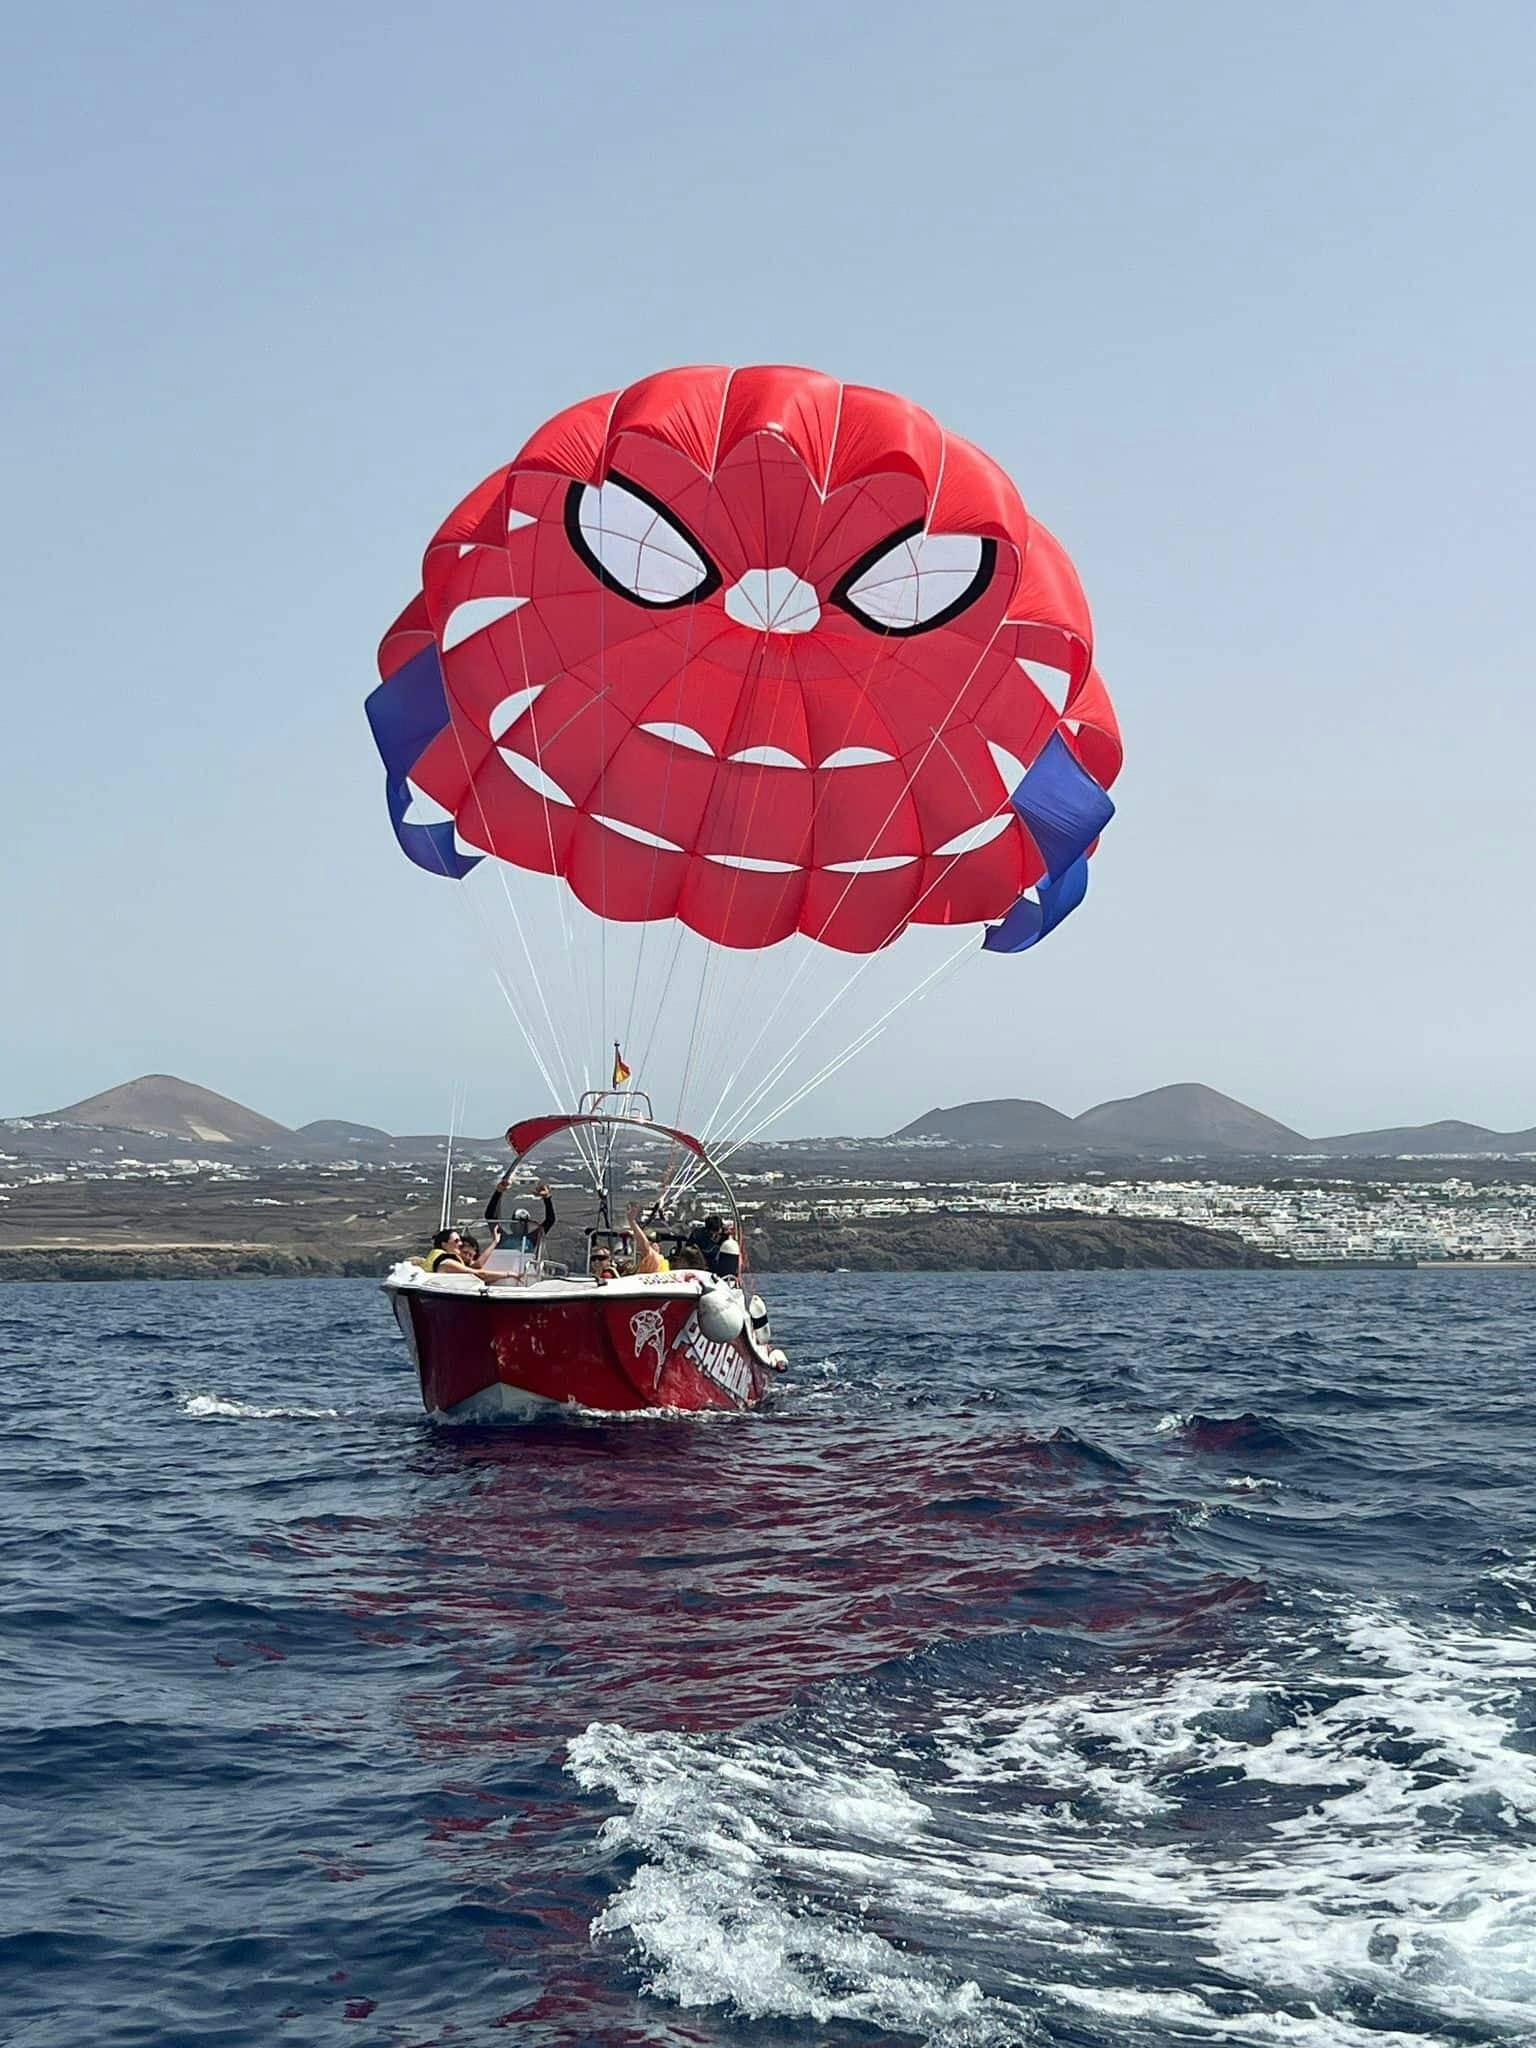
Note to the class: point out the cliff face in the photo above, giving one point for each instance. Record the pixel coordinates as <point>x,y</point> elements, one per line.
<point>186,1262</point>
<point>1002,1244</point>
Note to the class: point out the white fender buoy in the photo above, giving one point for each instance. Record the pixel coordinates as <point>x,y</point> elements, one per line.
<point>722,1313</point>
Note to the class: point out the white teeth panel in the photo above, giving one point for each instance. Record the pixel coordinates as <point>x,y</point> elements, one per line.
<point>510,710</point>
<point>473,616</point>
<point>680,736</point>
<point>882,865</point>
<point>750,866</point>
<point>767,757</point>
<point>515,519</point>
<point>638,833</point>
<point>530,772</point>
<point>975,836</point>
<point>855,757</point>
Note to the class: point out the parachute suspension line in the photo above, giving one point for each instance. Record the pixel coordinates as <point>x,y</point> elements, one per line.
<point>643,1063</point>
<point>556,1037</point>
<point>705,965</point>
<point>574,954</point>
<point>748,976</point>
<point>490,949</point>
<point>602,737</point>
<point>530,1037</point>
<point>703,993</point>
<point>865,679</point>
<point>455,1111</point>
<point>856,1045</point>
<point>777,1071</point>
<point>666,790</point>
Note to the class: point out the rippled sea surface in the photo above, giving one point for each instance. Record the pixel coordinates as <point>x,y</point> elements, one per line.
<point>1066,1659</point>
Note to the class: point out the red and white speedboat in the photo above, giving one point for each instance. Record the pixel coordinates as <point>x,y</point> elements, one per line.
<point>534,1336</point>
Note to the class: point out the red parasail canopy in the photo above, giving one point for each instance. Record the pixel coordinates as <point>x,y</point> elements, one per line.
<point>534,1130</point>
<point>756,650</point>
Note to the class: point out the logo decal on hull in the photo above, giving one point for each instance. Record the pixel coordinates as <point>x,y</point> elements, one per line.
<point>720,1362</point>
<point>648,1327</point>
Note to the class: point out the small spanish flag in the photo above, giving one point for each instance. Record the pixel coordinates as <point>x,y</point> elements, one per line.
<point>620,1071</point>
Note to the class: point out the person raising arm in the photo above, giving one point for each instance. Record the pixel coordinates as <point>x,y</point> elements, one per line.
<point>522,1234</point>
<point>647,1258</point>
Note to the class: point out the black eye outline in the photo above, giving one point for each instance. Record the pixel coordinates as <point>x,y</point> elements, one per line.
<point>956,605</point>
<point>710,582</point>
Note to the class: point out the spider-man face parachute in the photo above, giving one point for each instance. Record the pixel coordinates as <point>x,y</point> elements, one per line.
<point>762,653</point>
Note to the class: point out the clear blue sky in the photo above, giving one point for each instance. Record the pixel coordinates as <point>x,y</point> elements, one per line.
<point>1242,297</point>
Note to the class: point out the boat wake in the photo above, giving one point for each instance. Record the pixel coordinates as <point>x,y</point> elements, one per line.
<point>216,1408</point>
<point>1329,1845</point>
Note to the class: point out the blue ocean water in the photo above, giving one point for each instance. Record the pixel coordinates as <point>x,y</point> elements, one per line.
<point>1066,1659</point>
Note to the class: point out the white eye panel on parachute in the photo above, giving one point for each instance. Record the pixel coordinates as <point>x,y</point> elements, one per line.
<point>636,546</point>
<point>917,580</point>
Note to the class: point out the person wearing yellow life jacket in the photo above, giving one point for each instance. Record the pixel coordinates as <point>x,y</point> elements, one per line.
<point>450,1253</point>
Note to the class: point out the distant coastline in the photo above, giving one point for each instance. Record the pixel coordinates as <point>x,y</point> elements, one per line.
<point>896,1244</point>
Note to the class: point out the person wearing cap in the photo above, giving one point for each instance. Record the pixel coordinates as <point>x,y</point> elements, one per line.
<point>521,1233</point>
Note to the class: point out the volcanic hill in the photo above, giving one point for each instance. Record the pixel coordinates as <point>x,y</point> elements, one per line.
<point>1030,1126</point>
<point>1185,1117</point>
<point>163,1106</point>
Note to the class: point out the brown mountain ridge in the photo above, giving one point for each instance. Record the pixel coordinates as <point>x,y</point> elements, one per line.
<point>1185,1118</point>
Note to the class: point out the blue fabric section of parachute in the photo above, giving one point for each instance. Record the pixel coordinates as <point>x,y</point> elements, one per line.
<point>1029,921</point>
<point>407,712</point>
<point>1062,805</point>
<point>1065,811</point>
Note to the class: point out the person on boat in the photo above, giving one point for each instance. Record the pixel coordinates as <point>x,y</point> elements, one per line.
<point>648,1258</point>
<point>454,1251</point>
<point>522,1234</point>
<point>449,1254</point>
<point>717,1248</point>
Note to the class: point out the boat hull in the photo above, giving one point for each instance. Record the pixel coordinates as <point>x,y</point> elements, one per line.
<point>651,1342</point>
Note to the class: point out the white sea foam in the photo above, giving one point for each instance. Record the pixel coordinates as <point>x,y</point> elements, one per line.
<point>1519,1576</point>
<point>215,1408</point>
<point>712,1913</point>
<point>1376,1838</point>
